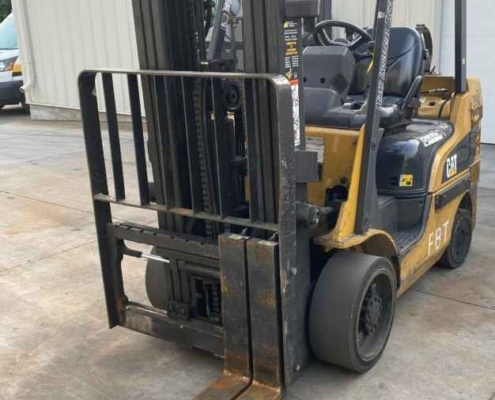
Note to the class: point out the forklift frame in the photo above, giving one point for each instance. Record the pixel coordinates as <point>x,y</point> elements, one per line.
<point>270,349</point>
<point>265,278</point>
<point>251,337</point>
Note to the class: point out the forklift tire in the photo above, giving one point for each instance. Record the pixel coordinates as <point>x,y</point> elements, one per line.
<point>462,234</point>
<point>156,284</point>
<point>352,310</point>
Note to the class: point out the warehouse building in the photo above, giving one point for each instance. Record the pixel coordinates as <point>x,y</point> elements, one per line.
<point>59,38</point>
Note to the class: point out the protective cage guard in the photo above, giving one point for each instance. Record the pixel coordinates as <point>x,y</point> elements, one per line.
<point>254,257</point>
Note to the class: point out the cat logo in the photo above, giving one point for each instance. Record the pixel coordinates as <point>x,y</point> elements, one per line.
<point>406,180</point>
<point>451,166</point>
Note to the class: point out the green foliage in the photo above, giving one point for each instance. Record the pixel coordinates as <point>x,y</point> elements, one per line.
<point>5,9</point>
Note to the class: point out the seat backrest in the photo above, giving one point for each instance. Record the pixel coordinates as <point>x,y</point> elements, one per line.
<point>405,63</point>
<point>329,67</point>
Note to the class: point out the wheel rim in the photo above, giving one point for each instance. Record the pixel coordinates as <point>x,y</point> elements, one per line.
<point>375,317</point>
<point>461,241</point>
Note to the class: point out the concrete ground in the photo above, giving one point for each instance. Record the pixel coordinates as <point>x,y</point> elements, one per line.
<point>54,341</point>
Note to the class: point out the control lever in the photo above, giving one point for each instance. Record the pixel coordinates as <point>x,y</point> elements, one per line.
<point>139,254</point>
<point>412,101</point>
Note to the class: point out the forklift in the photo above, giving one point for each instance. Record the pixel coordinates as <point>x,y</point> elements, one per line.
<point>302,181</point>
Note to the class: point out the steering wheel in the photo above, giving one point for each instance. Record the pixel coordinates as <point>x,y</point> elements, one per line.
<point>322,39</point>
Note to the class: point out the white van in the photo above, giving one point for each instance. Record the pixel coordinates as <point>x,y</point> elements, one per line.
<point>10,67</point>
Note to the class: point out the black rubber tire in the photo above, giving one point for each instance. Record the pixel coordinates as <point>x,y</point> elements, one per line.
<point>157,285</point>
<point>335,313</point>
<point>460,243</point>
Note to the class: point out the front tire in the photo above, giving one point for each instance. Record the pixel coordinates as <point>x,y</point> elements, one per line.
<point>462,235</point>
<point>352,310</point>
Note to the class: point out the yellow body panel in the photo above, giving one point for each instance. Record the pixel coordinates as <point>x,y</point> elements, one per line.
<point>342,166</point>
<point>432,245</point>
<point>339,160</point>
<point>437,97</point>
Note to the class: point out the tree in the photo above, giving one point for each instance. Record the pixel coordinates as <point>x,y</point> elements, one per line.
<point>5,8</point>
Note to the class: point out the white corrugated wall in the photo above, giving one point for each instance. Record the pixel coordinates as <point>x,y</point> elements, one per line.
<point>480,56</point>
<point>406,13</point>
<point>68,36</point>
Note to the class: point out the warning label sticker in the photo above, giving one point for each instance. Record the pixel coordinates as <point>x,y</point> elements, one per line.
<point>296,112</point>
<point>316,145</point>
<point>292,67</point>
<point>432,138</point>
<point>292,57</point>
<point>406,180</point>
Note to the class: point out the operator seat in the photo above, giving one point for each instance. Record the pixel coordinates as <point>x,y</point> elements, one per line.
<point>405,67</point>
<point>405,63</point>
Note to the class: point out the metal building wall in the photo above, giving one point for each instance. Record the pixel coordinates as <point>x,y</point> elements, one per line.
<point>406,13</point>
<point>67,36</point>
<point>480,56</point>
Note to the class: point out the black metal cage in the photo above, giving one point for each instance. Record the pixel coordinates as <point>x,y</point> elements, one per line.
<point>245,234</point>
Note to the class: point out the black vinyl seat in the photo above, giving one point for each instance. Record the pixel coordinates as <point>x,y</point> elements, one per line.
<point>405,67</point>
<point>405,63</point>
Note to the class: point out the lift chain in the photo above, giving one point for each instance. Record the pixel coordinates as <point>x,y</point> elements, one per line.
<point>200,115</point>
<point>205,165</point>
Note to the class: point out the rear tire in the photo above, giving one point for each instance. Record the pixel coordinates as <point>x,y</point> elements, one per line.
<point>460,243</point>
<point>352,310</point>
<point>157,283</point>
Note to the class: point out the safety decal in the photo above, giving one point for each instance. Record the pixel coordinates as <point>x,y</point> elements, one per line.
<point>292,67</point>
<point>406,180</point>
<point>316,145</point>
<point>431,138</point>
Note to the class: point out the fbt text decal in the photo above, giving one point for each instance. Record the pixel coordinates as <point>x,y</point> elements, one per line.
<point>438,238</point>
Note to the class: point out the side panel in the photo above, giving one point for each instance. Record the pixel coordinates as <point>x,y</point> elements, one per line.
<point>343,157</point>
<point>437,97</point>
<point>456,163</point>
<point>336,156</point>
<point>458,160</point>
<point>454,157</point>
<point>430,248</point>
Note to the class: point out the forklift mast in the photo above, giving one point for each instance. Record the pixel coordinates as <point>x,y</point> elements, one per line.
<point>172,36</point>
<point>224,136</point>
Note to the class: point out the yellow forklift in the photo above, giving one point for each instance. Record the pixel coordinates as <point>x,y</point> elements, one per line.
<point>302,181</point>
